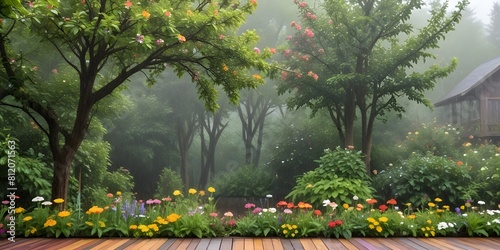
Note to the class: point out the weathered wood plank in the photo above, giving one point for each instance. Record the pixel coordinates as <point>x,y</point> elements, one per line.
<point>404,243</point>
<point>111,244</point>
<point>307,244</point>
<point>318,243</point>
<point>239,243</point>
<point>277,245</point>
<point>248,243</point>
<point>257,244</point>
<point>334,244</point>
<point>194,243</point>
<point>349,245</point>
<point>214,244</point>
<point>226,244</point>
<point>287,244</point>
<point>203,245</point>
<point>363,242</point>
<point>422,244</point>
<point>296,244</point>
<point>377,245</point>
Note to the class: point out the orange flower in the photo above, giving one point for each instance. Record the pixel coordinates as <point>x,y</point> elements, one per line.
<point>317,212</point>
<point>282,204</point>
<point>146,14</point>
<point>301,205</point>
<point>459,163</point>
<point>181,38</point>
<point>371,201</point>
<point>290,205</point>
<point>392,202</point>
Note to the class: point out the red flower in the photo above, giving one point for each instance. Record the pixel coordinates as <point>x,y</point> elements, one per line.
<point>459,163</point>
<point>282,204</point>
<point>371,201</point>
<point>338,222</point>
<point>317,212</point>
<point>382,207</point>
<point>290,205</point>
<point>392,202</point>
<point>331,224</point>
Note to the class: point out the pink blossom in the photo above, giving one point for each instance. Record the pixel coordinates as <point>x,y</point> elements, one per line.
<point>289,38</point>
<point>256,50</point>
<point>287,52</point>
<point>284,74</point>
<point>305,58</point>
<point>293,24</point>
<point>330,21</point>
<point>168,14</point>
<point>249,205</point>
<point>298,75</point>
<point>231,223</point>
<point>139,38</point>
<point>303,4</point>
<point>314,17</point>
<point>297,27</point>
<point>160,42</point>
<point>309,32</point>
<point>287,211</point>
<point>213,214</point>
<point>257,210</point>
<point>221,37</point>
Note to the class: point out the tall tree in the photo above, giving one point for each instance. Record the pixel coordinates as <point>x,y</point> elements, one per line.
<point>494,26</point>
<point>355,60</point>
<point>104,42</point>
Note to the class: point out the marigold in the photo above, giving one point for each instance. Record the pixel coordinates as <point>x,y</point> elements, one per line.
<point>18,210</point>
<point>119,193</point>
<point>132,227</point>
<point>58,200</point>
<point>345,206</point>
<point>438,200</point>
<point>27,218</point>
<point>192,191</point>
<point>95,210</point>
<point>143,228</point>
<point>379,229</point>
<point>63,214</point>
<point>173,217</point>
<point>177,193</point>
<point>50,223</point>
<point>383,219</point>
<point>371,226</point>
<point>146,14</point>
<point>211,189</point>
<point>431,204</point>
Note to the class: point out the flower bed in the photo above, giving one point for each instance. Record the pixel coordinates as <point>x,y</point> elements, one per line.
<point>194,215</point>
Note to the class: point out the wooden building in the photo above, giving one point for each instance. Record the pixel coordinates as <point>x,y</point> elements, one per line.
<point>474,103</point>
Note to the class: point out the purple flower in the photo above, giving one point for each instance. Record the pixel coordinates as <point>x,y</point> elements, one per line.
<point>457,209</point>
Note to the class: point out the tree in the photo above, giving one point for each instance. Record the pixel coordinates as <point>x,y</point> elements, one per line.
<point>105,42</point>
<point>494,26</point>
<point>354,59</point>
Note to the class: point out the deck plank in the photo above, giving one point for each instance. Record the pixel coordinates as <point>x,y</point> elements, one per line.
<point>239,243</point>
<point>334,244</point>
<point>287,244</point>
<point>226,244</point>
<point>307,244</point>
<point>203,245</point>
<point>214,244</point>
<point>318,243</point>
<point>277,245</point>
<point>248,243</point>
<point>257,244</point>
<point>194,243</point>
<point>349,244</point>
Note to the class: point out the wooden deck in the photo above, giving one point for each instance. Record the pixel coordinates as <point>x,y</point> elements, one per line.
<point>251,243</point>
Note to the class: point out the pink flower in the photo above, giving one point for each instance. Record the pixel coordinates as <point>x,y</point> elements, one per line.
<point>293,24</point>
<point>303,4</point>
<point>228,214</point>
<point>160,42</point>
<point>309,32</point>
<point>256,50</point>
<point>314,17</point>
<point>287,52</point>
<point>249,205</point>
<point>287,211</point>
<point>168,14</point>
<point>257,210</point>
<point>284,74</point>
<point>273,50</point>
<point>221,37</point>
<point>289,38</point>
<point>213,215</point>
<point>297,27</point>
<point>231,223</point>
<point>305,58</point>
<point>139,38</point>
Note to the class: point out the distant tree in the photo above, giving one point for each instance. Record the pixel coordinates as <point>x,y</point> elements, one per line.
<point>105,42</point>
<point>494,27</point>
<point>354,59</point>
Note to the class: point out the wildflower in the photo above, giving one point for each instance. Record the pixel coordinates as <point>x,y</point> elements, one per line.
<point>132,227</point>
<point>173,217</point>
<point>119,193</point>
<point>177,193</point>
<point>95,210</point>
<point>19,210</point>
<point>224,67</point>
<point>90,224</point>
<point>438,200</point>
<point>160,42</point>
<point>308,33</point>
<point>37,199</point>
<point>331,224</point>
<point>27,218</point>
<point>272,210</point>
<point>317,212</point>
<point>287,211</point>
<point>211,189</point>
<point>379,229</point>
<point>46,203</point>
<point>63,214</point>
<point>431,204</point>
<point>345,206</point>
<point>50,223</point>
<point>228,214</point>
<point>168,14</point>
<point>109,195</point>
<point>371,201</point>
<point>192,191</point>
<point>383,219</point>
<point>412,216</point>
<point>290,205</point>
<point>257,210</point>
<point>58,201</point>
<point>146,14</point>
<point>481,202</point>
<point>101,224</point>
<point>338,222</point>
<point>355,198</point>
<point>249,205</point>
<point>282,204</point>
<point>256,50</point>
<point>139,38</point>
<point>392,202</point>
<point>213,214</point>
<point>201,193</point>
<point>382,207</point>
<point>181,38</point>
<point>128,4</point>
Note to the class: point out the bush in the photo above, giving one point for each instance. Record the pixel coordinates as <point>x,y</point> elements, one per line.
<point>340,176</point>
<point>246,181</point>
<point>168,183</point>
<point>422,177</point>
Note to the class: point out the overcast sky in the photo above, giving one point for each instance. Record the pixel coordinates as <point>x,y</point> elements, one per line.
<point>481,8</point>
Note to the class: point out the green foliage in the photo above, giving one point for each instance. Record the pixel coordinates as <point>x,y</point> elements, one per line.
<point>340,176</point>
<point>424,177</point>
<point>169,181</point>
<point>245,181</point>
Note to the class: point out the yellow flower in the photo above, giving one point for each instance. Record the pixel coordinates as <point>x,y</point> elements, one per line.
<point>192,191</point>
<point>189,12</point>
<point>50,223</point>
<point>371,220</point>
<point>63,214</point>
<point>431,204</point>
<point>143,228</point>
<point>90,224</point>
<point>19,210</point>
<point>294,226</point>
<point>173,217</point>
<point>285,231</point>
<point>371,226</point>
<point>383,219</point>
<point>467,204</point>
<point>412,216</point>
<point>438,200</point>
<point>433,233</point>
<point>133,227</point>
<point>345,206</point>
<point>309,185</point>
<point>201,193</point>
<point>101,224</point>
<point>429,221</point>
<point>33,230</point>
<point>119,193</point>
<point>95,210</point>
<point>177,193</point>
<point>463,207</point>
<point>154,227</point>
<point>408,204</point>
<point>224,67</point>
<point>257,77</point>
<point>69,224</point>
<point>58,200</point>
<point>27,218</point>
<point>446,207</point>
<point>146,14</point>
<point>379,229</point>
<point>212,190</point>
<point>376,223</point>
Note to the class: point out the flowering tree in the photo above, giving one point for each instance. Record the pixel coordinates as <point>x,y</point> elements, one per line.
<point>104,42</point>
<point>353,58</point>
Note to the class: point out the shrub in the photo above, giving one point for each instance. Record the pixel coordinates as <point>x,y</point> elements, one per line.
<point>340,176</point>
<point>424,176</point>
<point>168,183</point>
<point>246,181</point>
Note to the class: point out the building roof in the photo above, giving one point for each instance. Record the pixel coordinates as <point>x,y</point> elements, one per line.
<point>471,81</point>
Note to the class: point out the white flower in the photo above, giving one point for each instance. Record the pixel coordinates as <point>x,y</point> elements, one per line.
<point>481,202</point>
<point>326,203</point>
<point>46,203</point>
<point>355,198</point>
<point>269,196</point>
<point>272,210</point>
<point>37,199</point>
<point>264,210</point>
